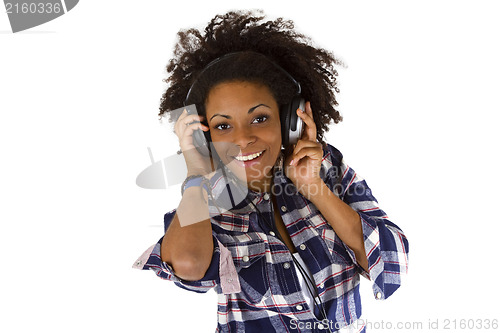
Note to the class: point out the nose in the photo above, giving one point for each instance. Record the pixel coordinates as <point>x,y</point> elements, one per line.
<point>243,137</point>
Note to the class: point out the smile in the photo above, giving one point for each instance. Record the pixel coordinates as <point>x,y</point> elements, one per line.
<point>245,158</point>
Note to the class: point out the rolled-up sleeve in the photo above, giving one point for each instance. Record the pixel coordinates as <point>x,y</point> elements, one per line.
<point>151,260</point>
<point>386,246</point>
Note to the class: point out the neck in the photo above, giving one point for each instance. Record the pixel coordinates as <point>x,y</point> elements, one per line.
<point>263,185</point>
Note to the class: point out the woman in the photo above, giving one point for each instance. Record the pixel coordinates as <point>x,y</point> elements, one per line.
<point>282,234</point>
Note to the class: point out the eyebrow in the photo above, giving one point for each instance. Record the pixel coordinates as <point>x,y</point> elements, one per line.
<point>249,111</point>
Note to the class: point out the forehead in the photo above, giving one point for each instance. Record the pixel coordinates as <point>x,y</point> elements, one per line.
<point>237,96</point>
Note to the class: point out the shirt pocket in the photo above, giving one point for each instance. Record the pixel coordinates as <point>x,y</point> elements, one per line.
<point>250,262</point>
<point>231,223</point>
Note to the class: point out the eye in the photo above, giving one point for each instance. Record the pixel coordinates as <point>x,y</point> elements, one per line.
<point>222,127</point>
<point>259,119</point>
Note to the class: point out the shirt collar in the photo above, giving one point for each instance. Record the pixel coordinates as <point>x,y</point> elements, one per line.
<point>228,194</point>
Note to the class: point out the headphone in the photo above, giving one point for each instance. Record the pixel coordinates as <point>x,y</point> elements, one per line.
<point>291,125</point>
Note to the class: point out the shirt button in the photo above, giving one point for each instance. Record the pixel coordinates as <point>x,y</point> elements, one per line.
<point>266,196</point>
<point>283,208</point>
<point>272,233</point>
<point>299,307</point>
<point>302,247</point>
<point>138,263</point>
<point>322,285</point>
<point>286,265</point>
<point>321,326</point>
<point>378,295</point>
<point>245,258</point>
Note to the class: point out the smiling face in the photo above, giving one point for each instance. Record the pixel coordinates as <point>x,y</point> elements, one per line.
<point>244,123</point>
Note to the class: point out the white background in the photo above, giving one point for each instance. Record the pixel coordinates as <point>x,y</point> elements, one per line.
<point>79,98</point>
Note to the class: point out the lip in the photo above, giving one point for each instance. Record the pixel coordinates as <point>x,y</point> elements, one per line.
<point>247,164</point>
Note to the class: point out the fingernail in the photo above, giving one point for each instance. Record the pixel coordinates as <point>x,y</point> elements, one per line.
<point>292,162</point>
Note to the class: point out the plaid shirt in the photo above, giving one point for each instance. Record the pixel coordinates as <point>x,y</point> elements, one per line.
<point>253,273</point>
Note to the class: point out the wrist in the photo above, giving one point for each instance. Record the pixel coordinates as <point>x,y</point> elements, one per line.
<point>205,168</point>
<point>200,172</point>
<point>315,190</point>
<point>196,181</point>
<point>196,173</point>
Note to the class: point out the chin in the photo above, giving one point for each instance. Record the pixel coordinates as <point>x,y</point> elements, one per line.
<point>253,168</point>
<point>253,178</point>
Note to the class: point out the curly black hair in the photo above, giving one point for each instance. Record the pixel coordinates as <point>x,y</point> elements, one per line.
<point>243,31</point>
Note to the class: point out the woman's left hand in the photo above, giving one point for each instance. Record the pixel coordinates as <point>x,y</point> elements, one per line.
<point>303,165</point>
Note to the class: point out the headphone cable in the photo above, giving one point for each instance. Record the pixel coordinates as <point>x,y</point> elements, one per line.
<point>310,284</point>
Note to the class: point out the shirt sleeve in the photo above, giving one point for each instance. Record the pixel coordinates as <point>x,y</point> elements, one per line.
<point>151,260</point>
<point>386,246</point>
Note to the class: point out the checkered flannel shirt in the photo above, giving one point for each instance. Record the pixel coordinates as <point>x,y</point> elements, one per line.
<point>253,273</point>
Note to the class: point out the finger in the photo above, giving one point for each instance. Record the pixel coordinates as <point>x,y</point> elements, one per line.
<point>311,124</point>
<point>306,149</point>
<point>309,110</point>
<point>192,118</point>
<point>185,129</point>
<point>306,144</point>
<point>186,141</point>
<point>179,124</point>
<point>185,117</point>
<point>184,121</point>
<point>188,132</point>
<point>311,153</point>
<point>182,116</point>
<point>310,128</point>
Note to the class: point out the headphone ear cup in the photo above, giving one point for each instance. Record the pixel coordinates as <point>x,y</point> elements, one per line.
<point>291,124</point>
<point>285,124</point>
<point>200,141</point>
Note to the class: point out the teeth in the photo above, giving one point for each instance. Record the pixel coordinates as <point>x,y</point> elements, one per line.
<point>248,157</point>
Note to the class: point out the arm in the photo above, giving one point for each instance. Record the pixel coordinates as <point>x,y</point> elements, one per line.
<point>375,243</point>
<point>303,168</point>
<point>343,219</point>
<point>188,244</point>
<point>384,245</point>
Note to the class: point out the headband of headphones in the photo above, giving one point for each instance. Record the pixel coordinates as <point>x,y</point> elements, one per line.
<point>233,55</point>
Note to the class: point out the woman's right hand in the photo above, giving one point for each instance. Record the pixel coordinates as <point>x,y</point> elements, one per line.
<point>196,163</point>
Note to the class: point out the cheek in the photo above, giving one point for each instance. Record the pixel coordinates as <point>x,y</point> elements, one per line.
<point>225,148</point>
<point>275,136</point>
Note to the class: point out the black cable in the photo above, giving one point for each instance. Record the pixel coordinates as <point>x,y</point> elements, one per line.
<point>302,271</point>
